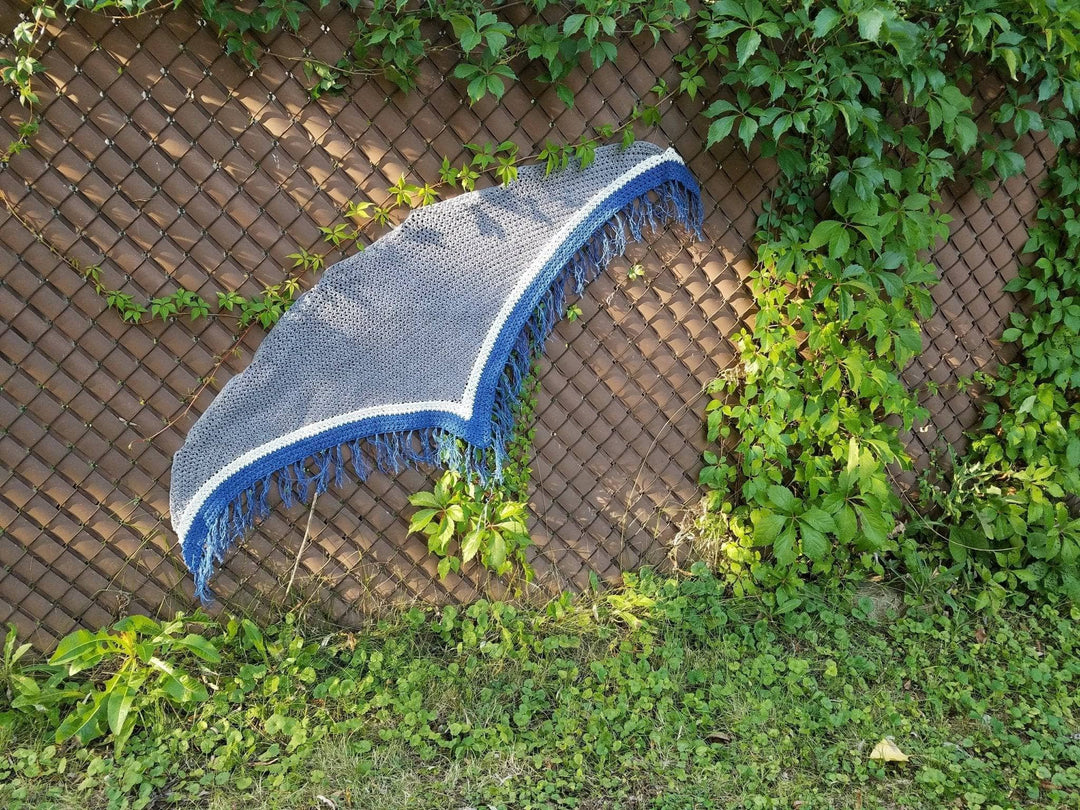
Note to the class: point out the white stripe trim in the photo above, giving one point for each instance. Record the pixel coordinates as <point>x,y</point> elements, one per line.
<point>463,409</point>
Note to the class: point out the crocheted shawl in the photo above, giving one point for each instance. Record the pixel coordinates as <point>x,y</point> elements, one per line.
<point>415,350</point>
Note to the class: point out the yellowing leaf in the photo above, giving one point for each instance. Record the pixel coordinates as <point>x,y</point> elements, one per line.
<point>886,751</point>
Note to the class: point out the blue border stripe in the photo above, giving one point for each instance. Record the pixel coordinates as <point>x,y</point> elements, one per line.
<point>477,430</point>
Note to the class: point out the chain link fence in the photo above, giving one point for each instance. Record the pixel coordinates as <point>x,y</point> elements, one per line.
<point>173,165</point>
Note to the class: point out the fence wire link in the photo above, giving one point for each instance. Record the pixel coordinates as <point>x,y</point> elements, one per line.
<point>172,165</point>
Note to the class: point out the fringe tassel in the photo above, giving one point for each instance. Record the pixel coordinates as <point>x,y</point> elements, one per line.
<point>391,452</point>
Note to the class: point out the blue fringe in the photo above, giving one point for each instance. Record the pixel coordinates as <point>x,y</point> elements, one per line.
<point>391,452</point>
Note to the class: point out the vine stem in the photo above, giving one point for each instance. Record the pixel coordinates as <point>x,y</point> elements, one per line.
<point>159,9</point>
<point>207,380</point>
<point>38,234</point>
<point>40,237</point>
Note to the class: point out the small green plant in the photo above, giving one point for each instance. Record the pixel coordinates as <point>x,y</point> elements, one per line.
<point>463,520</point>
<point>12,678</point>
<point>128,674</point>
<point>480,523</point>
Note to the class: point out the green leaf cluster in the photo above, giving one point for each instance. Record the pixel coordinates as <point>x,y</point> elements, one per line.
<point>108,682</point>
<point>867,109</point>
<point>463,521</point>
<point>392,36</point>
<point>1004,514</point>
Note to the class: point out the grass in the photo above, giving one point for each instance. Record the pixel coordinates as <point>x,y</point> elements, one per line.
<point>662,694</point>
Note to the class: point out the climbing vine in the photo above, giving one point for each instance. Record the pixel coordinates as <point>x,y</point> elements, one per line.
<point>391,36</point>
<point>867,108</point>
<point>1004,514</point>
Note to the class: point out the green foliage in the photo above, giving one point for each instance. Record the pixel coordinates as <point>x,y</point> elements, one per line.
<point>556,157</point>
<point>391,37</point>
<point>867,108</point>
<point>128,675</point>
<point>516,470</point>
<point>307,262</point>
<point>865,122</point>
<point>265,309</point>
<point>1004,511</point>
<point>485,526</point>
<point>180,301</point>
<point>12,678</point>
<point>661,694</point>
<point>463,520</point>
<point>18,68</point>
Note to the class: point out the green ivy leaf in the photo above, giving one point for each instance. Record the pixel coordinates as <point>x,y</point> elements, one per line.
<point>497,550</point>
<point>825,21</point>
<point>784,547</point>
<point>846,524</point>
<point>747,46</point>
<point>819,519</point>
<point>748,127</point>
<point>767,526</point>
<point>471,544</point>
<point>826,232</point>
<point>782,498</point>
<point>966,133</point>
<point>814,544</point>
<point>421,519</point>
<point>573,24</point>
<point>720,129</point>
<point>1072,451</point>
<point>870,24</point>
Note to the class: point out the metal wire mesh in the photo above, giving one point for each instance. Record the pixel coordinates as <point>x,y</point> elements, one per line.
<point>172,165</point>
